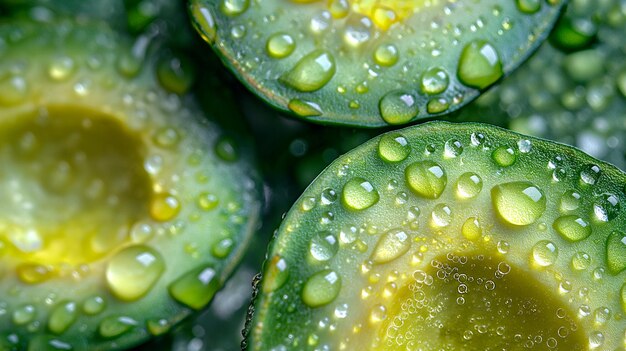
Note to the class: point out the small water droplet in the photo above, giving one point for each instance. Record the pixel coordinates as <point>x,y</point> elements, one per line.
<point>518,203</point>
<point>435,81</point>
<point>441,216</point>
<point>164,207</point>
<point>398,107</point>
<point>616,252</point>
<point>133,271</point>
<point>276,274</point>
<point>426,179</point>
<point>280,45</point>
<point>504,156</point>
<point>581,260</point>
<point>62,317</point>
<point>61,68</point>
<point>94,305</point>
<point>393,147</point>
<point>528,6</point>
<point>305,108</point>
<point>391,245</point>
<point>572,228</point>
<point>469,185</point>
<point>115,326</point>
<point>323,246</point>
<point>386,55</point>
<point>311,73</point>
<point>590,174</point>
<point>479,65</point>
<point>545,253</point>
<point>321,288</point>
<point>606,207</point>
<point>359,194</point>
<point>234,7</point>
<point>472,229</point>
<point>453,148</point>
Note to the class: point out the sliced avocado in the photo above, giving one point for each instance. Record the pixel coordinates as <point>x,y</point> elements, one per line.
<point>368,63</point>
<point>125,208</point>
<point>573,90</point>
<point>449,237</point>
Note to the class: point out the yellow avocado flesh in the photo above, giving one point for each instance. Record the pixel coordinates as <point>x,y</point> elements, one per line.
<point>478,302</point>
<point>75,186</point>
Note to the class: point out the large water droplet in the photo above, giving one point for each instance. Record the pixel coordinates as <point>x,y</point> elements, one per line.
<point>572,228</point>
<point>393,147</point>
<point>234,7</point>
<point>391,245</point>
<point>305,108</point>
<point>164,207</point>
<point>528,6</point>
<point>204,20</point>
<point>196,287</point>
<point>518,203</point>
<point>311,73</point>
<point>24,314</point>
<point>616,252</point>
<point>426,178</point>
<point>398,107</point>
<point>359,194</point>
<point>321,288</point>
<point>132,272</point>
<point>479,65</point>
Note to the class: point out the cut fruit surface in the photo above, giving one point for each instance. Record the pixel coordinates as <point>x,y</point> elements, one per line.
<point>432,238</point>
<point>371,63</point>
<point>122,213</point>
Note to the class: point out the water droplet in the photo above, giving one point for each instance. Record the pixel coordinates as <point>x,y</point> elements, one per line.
<point>311,73</point>
<point>437,105</point>
<point>479,65</point>
<point>133,271</point>
<point>31,273</point>
<point>596,339</point>
<point>164,207</point>
<point>61,68</point>
<point>166,137</point>
<point>545,253</point>
<point>518,203</point>
<point>204,21</point>
<point>453,148</point>
<point>616,252</point>
<point>472,229</point>
<point>114,326</point>
<point>606,207</point>
<point>581,261</point>
<point>469,185</point>
<point>386,55</point>
<point>305,108</point>
<point>623,294</point>
<point>357,31</point>
<point>435,81</point>
<point>359,194</point>
<point>14,91</point>
<point>378,314</point>
<point>393,147</point>
<point>441,216</point>
<point>570,201</point>
<point>572,228</point>
<point>276,274</point>
<point>398,107</point>
<point>280,45</point>
<point>196,287</point>
<point>528,6</point>
<point>321,288</point>
<point>339,8</point>
<point>62,317</point>
<point>234,7</point>
<point>24,314</point>
<point>348,234</point>
<point>328,196</point>
<point>426,179</point>
<point>391,245</point>
<point>323,246</point>
<point>590,174</point>
<point>207,201</point>
<point>94,305</point>
<point>504,156</point>
<point>158,327</point>
<point>175,73</point>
